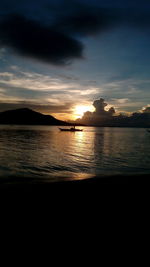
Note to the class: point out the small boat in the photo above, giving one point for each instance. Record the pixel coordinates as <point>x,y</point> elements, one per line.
<point>72,129</point>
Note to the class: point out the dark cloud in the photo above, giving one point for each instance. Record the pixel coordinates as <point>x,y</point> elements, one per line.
<point>76,17</point>
<point>100,108</point>
<point>87,21</point>
<point>55,37</point>
<point>32,39</point>
<point>52,33</point>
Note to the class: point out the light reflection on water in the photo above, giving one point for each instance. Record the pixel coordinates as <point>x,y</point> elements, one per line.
<point>45,152</point>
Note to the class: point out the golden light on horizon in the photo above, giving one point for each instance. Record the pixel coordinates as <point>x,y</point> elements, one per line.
<point>74,113</point>
<point>81,109</point>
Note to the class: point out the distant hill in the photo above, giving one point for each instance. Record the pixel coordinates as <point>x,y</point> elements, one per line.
<point>26,116</point>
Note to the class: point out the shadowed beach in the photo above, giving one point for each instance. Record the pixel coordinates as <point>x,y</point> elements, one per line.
<point>40,185</point>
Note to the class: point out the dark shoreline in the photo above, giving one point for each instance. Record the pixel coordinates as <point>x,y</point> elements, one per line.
<point>15,183</point>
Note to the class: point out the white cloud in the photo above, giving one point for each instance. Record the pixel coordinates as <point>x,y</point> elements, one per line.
<point>33,81</point>
<point>19,85</point>
<point>40,82</point>
<point>4,75</point>
<point>49,90</point>
<point>121,100</point>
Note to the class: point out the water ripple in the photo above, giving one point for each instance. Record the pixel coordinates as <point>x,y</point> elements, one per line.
<point>40,151</point>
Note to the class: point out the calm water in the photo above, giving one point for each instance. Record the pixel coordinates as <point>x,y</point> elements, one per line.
<point>45,152</point>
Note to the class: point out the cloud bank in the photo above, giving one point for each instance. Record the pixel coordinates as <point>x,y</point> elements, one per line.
<point>101,117</point>
<point>44,93</point>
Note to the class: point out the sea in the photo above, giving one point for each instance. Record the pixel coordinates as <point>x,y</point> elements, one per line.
<point>44,153</point>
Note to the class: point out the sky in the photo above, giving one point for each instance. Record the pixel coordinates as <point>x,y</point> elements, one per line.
<point>59,56</point>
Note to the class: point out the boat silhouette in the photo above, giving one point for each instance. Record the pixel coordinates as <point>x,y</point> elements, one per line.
<point>72,129</point>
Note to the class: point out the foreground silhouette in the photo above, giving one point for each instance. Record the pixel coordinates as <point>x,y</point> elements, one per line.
<point>72,129</point>
<point>27,116</point>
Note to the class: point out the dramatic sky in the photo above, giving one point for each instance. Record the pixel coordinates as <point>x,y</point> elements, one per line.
<point>58,56</point>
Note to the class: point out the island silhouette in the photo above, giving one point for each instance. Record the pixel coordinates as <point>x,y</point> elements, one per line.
<point>26,116</point>
<point>100,117</point>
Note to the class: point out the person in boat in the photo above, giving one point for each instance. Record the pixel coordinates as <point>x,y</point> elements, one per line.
<point>72,128</point>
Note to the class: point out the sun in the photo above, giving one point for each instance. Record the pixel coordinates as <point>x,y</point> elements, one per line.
<point>81,109</point>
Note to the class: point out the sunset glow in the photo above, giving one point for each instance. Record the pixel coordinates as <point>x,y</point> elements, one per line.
<point>80,110</point>
<point>74,94</point>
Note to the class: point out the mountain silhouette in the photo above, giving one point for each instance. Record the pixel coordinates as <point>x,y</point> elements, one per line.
<point>26,116</point>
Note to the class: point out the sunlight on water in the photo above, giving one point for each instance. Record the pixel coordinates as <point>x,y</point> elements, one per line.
<point>45,152</point>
